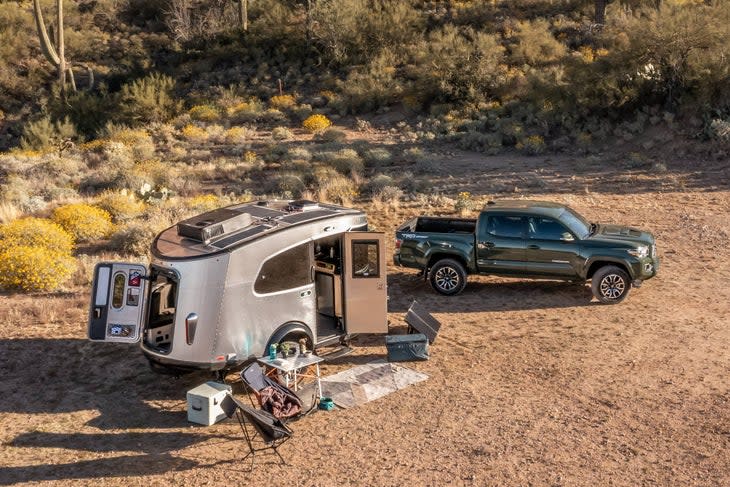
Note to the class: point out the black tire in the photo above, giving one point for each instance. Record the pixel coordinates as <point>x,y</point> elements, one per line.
<point>610,284</point>
<point>447,277</point>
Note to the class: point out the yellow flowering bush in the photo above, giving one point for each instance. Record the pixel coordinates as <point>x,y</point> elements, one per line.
<point>122,206</point>
<point>194,133</point>
<point>93,145</point>
<point>236,134</point>
<point>316,123</point>
<point>84,222</point>
<point>204,113</point>
<point>238,108</point>
<point>36,232</point>
<point>131,137</point>
<point>464,204</point>
<point>282,101</point>
<point>205,202</point>
<point>27,268</point>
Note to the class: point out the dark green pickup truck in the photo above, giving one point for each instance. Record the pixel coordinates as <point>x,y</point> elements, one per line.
<point>534,239</point>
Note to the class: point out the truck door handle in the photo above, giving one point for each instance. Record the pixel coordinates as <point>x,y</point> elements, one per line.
<point>533,247</point>
<point>485,245</point>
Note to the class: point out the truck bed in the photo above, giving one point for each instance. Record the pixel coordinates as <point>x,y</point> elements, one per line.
<point>436,224</point>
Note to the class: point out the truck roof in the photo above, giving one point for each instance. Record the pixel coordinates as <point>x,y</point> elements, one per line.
<point>534,207</point>
<point>226,228</point>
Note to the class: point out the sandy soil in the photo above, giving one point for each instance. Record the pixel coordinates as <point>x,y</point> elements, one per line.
<point>530,383</point>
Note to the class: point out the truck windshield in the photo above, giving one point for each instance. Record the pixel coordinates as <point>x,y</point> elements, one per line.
<point>576,223</point>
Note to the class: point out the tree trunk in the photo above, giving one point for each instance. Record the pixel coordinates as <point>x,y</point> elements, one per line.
<point>61,52</point>
<point>243,15</point>
<point>600,11</point>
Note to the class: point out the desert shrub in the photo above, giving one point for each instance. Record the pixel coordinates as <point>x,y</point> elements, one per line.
<point>388,195</point>
<point>316,123</point>
<point>352,31</point>
<point>532,145</point>
<point>299,154</point>
<point>373,86</point>
<point>720,130</point>
<point>45,133</point>
<point>149,99</point>
<point>138,141</point>
<point>8,212</point>
<point>281,102</point>
<point>247,111</point>
<point>36,232</point>
<point>236,135</point>
<point>289,184</point>
<point>206,202</point>
<point>204,113</point>
<point>29,269</point>
<point>459,66</point>
<point>345,161</point>
<point>334,187</point>
<point>378,182</point>
<point>195,134</point>
<point>122,206</point>
<point>84,222</point>
<point>302,111</point>
<point>535,44</point>
<point>464,203</point>
<point>377,156</point>
<point>134,238</point>
<point>332,135</point>
<point>281,133</point>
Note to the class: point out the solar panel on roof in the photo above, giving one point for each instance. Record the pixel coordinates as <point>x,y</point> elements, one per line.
<point>237,237</point>
<point>262,212</point>
<point>306,216</point>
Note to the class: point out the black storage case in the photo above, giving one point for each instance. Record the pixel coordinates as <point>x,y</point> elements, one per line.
<point>407,348</point>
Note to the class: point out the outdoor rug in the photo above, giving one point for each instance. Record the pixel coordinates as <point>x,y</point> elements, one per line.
<point>368,382</point>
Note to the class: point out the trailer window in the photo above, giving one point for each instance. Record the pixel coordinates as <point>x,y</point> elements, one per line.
<point>287,270</point>
<point>365,258</point>
<point>120,279</point>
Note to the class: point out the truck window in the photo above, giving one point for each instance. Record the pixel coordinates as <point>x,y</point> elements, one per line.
<point>365,259</point>
<point>545,229</point>
<point>505,226</point>
<point>287,270</point>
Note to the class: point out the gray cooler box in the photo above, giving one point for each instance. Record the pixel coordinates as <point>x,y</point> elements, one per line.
<point>406,348</point>
<point>204,403</point>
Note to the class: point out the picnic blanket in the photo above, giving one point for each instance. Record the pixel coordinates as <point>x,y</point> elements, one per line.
<point>368,382</point>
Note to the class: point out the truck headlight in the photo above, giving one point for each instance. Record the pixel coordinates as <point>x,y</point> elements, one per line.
<point>641,251</point>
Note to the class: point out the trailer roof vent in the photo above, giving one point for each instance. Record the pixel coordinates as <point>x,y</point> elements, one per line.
<point>212,224</point>
<point>302,205</point>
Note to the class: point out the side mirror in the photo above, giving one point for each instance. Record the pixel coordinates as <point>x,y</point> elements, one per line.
<point>567,237</point>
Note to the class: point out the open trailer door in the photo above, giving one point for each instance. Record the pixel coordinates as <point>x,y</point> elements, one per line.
<point>117,301</point>
<point>365,286</point>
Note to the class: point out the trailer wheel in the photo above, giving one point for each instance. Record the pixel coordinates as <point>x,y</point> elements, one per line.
<point>448,277</point>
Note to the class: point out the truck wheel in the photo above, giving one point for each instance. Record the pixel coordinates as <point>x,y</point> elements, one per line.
<point>610,284</point>
<point>448,277</point>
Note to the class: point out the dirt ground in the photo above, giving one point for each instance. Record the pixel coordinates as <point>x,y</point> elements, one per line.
<point>531,383</point>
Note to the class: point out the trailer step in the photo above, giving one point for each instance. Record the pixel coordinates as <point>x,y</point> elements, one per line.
<point>337,353</point>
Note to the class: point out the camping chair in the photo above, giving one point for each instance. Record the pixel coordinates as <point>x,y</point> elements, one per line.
<point>273,397</point>
<point>261,429</point>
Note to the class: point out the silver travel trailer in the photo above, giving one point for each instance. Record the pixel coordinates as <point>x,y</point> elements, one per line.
<point>224,285</point>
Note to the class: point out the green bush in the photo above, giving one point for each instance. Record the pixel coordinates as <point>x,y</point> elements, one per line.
<point>535,44</point>
<point>45,133</point>
<point>149,99</point>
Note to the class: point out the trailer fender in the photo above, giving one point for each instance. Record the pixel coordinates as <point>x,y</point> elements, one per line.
<point>291,328</point>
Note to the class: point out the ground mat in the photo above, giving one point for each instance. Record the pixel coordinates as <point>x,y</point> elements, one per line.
<point>367,382</point>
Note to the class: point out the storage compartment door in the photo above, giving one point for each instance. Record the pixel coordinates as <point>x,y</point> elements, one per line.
<point>365,283</point>
<point>117,300</point>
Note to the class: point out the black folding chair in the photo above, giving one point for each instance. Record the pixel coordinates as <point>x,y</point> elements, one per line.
<point>261,429</point>
<point>273,397</point>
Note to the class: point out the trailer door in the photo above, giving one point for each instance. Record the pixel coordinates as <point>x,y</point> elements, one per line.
<point>117,300</point>
<point>365,286</point>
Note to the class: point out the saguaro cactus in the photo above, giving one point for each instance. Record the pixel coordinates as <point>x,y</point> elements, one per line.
<point>56,55</point>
